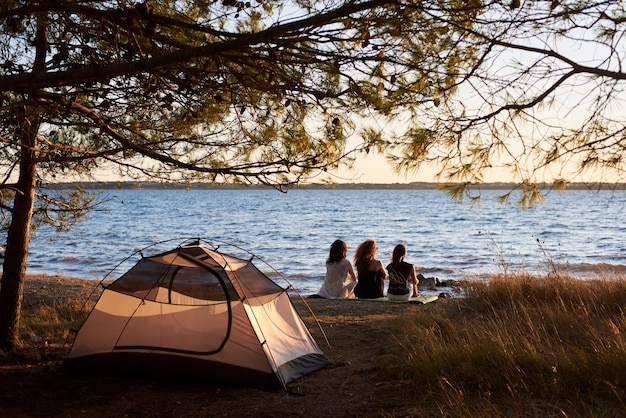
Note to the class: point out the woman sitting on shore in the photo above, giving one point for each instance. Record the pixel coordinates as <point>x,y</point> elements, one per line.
<point>371,272</point>
<point>340,278</point>
<point>400,274</point>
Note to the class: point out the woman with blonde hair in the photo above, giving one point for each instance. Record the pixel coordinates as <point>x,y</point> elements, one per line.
<point>400,274</point>
<point>371,272</point>
<point>340,278</point>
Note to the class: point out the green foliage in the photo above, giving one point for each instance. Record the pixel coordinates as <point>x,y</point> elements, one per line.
<point>60,209</point>
<point>171,89</point>
<point>185,90</point>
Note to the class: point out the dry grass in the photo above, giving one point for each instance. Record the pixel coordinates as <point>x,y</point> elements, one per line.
<point>55,306</point>
<point>516,346</point>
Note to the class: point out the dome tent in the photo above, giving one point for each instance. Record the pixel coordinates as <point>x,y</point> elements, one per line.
<point>198,313</point>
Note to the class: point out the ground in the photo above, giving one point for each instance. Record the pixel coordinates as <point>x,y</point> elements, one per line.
<point>32,386</point>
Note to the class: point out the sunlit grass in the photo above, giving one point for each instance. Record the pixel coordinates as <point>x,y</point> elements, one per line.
<point>53,322</point>
<point>517,343</point>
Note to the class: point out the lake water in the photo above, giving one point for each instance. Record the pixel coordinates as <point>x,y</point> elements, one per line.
<point>580,231</point>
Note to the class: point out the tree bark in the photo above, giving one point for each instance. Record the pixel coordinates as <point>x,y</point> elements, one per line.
<point>18,237</point>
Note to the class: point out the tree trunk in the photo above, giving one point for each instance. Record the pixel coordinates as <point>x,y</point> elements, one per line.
<point>18,237</point>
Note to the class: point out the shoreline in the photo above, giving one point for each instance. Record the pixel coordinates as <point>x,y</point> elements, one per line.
<point>418,185</point>
<point>37,286</point>
<point>43,288</point>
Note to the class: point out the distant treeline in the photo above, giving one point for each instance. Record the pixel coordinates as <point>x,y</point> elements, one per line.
<point>137,185</point>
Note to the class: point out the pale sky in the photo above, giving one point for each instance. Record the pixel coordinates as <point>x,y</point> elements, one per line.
<point>374,169</point>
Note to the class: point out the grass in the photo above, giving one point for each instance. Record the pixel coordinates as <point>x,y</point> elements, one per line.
<point>52,322</point>
<point>53,306</point>
<point>518,345</point>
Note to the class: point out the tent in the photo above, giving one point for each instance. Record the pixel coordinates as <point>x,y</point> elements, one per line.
<point>196,312</point>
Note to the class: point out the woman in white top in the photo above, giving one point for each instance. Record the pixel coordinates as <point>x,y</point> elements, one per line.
<point>340,278</point>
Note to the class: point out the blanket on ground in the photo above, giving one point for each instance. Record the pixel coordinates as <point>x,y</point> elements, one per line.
<point>420,299</point>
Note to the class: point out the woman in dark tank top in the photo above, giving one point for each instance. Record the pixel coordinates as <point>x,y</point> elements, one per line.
<point>400,274</point>
<point>371,272</point>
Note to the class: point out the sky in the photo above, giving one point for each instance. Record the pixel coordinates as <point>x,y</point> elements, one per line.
<point>370,169</point>
<point>375,169</point>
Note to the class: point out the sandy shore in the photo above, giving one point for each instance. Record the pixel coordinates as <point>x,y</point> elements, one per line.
<point>43,289</point>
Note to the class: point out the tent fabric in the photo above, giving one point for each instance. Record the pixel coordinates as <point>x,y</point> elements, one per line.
<point>197,313</point>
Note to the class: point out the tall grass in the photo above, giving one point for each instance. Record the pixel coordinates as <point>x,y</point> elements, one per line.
<point>518,345</point>
<point>53,323</point>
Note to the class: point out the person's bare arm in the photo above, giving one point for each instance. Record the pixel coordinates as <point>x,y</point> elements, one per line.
<point>351,275</point>
<point>414,281</point>
<point>381,267</point>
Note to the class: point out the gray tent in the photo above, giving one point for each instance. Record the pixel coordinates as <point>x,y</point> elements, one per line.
<point>196,312</point>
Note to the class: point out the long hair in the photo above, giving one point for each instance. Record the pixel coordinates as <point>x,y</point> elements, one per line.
<point>399,252</point>
<point>338,251</point>
<point>364,254</point>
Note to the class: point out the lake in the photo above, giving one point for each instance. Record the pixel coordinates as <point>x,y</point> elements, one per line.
<point>580,232</point>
